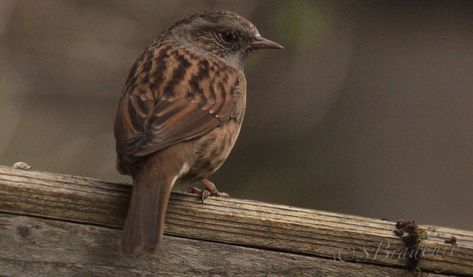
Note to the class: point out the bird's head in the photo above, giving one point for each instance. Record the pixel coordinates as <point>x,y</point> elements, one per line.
<point>221,33</point>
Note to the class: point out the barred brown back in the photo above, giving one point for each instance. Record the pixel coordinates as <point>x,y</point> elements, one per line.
<point>173,95</point>
<point>180,114</point>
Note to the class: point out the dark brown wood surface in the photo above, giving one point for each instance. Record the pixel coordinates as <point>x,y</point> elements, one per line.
<point>56,224</point>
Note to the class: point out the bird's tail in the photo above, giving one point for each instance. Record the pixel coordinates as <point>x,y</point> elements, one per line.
<point>144,224</point>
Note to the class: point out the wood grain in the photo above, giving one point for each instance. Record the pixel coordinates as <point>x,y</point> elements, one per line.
<point>243,223</point>
<point>44,247</point>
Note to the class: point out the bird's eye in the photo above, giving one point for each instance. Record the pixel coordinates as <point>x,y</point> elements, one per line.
<point>228,36</point>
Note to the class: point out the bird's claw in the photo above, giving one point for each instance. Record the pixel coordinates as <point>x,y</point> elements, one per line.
<point>209,190</point>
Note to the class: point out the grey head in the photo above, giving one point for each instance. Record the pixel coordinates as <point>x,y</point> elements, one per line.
<point>223,34</point>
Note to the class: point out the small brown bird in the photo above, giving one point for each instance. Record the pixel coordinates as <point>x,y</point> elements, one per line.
<point>180,114</point>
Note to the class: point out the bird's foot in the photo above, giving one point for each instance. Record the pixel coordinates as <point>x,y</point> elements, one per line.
<point>209,190</point>
<point>201,193</point>
<point>209,186</point>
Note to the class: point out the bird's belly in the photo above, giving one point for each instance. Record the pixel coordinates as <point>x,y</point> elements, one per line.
<point>212,150</point>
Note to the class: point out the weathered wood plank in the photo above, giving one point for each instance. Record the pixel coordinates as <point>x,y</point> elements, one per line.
<point>44,247</point>
<point>234,221</point>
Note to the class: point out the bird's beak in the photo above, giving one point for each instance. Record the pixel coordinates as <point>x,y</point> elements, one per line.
<point>262,43</point>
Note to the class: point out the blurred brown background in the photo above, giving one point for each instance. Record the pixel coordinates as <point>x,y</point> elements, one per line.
<point>368,111</point>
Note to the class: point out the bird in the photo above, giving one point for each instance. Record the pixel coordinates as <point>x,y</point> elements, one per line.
<point>180,114</point>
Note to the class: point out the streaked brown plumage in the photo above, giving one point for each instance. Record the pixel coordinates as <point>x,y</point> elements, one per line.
<point>180,114</point>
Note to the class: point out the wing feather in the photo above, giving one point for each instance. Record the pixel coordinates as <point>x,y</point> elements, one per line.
<point>186,97</point>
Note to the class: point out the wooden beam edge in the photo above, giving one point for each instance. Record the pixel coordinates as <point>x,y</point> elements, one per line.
<point>232,221</point>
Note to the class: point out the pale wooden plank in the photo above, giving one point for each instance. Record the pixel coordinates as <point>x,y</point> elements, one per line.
<point>234,221</point>
<point>44,247</point>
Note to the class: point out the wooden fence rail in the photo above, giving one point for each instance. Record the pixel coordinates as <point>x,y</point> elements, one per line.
<point>56,225</point>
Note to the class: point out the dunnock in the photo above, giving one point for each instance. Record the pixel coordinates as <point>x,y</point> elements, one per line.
<point>180,114</point>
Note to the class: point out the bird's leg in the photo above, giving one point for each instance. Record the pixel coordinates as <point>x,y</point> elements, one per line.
<point>213,189</point>
<point>209,190</point>
<point>203,193</point>
<point>196,190</point>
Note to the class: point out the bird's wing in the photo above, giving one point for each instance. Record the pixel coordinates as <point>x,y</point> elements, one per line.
<point>173,96</point>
